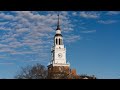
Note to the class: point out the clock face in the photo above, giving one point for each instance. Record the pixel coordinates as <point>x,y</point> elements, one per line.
<point>60,55</point>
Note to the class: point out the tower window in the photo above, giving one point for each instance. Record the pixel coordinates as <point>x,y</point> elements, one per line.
<point>59,41</point>
<point>56,41</point>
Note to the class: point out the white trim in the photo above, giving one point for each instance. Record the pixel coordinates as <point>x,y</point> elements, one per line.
<point>58,64</point>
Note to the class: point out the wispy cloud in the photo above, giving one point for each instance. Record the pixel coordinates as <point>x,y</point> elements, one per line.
<point>2,56</point>
<point>107,21</point>
<point>72,38</point>
<point>4,28</point>
<point>88,31</point>
<point>113,12</point>
<point>92,15</point>
<point>6,63</point>
<point>34,61</point>
<point>74,13</point>
<point>3,23</point>
<point>31,32</point>
<point>6,16</point>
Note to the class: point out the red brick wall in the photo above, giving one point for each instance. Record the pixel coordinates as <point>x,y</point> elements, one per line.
<point>57,69</point>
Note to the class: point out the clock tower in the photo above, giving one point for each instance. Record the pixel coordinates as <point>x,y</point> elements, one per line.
<point>58,53</point>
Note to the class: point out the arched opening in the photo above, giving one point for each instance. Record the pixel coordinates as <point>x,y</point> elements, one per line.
<point>56,41</point>
<point>59,41</point>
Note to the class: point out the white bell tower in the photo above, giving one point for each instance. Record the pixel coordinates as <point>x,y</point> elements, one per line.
<point>58,51</point>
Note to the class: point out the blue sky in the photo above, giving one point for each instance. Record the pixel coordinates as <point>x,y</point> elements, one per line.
<point>90,37</point>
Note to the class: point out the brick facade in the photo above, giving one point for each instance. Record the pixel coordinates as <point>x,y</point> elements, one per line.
<point>57,71</point>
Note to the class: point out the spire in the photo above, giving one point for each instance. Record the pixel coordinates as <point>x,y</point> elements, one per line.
<point>58,26</point>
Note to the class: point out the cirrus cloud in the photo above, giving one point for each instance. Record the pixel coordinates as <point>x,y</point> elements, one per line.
<point>107,21</point>
<point>113,12</point>
<point>88,31</point>
<point>92,15</point>
<point>31,32</point>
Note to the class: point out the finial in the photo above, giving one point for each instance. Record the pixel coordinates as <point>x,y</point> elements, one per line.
<point>58,19</point>
<point>58,26</point>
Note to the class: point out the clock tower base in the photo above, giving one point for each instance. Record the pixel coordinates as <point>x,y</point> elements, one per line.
<point>58,72</point>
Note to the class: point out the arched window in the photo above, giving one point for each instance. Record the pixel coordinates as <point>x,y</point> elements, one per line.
<point>56,41</point>
<point>59,41</point>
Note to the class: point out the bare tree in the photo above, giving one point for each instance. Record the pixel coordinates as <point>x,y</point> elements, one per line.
<point>37,71</point>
